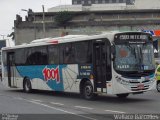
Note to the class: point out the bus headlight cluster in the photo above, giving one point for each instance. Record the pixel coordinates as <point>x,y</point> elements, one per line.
<point>122,81</point>
<point>152,80</point>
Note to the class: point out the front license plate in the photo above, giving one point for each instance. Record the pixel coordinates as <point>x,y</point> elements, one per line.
<point>140,86</point>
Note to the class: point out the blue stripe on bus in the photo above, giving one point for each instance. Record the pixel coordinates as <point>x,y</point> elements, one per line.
<point>51,74</point>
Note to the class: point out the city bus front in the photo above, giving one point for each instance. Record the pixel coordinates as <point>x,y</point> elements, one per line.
<point>133,63</point>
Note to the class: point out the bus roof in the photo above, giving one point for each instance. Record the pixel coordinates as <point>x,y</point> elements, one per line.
<point>66,39</point>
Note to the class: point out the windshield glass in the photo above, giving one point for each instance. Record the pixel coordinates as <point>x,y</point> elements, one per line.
<point>134,53</point>
<point>134,57</point>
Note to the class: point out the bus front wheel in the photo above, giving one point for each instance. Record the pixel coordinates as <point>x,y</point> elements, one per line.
<point>27,87</point>
<point>122,95</point>
<point>88,91</point>
<point>158,86</point>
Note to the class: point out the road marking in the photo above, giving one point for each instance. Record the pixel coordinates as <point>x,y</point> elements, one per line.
<point>54,103</point>
<point>18,98</point>
<point>84,107</point>
<point>58,109</point>
<point>36,100</point>
<point>114,111</point>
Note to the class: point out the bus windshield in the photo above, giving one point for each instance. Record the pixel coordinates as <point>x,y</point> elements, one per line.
<point>134,57</point>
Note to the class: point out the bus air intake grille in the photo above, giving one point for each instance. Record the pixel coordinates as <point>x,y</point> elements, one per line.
<point>138,89</point>
<point>145,81</point>
<point>134,82</point>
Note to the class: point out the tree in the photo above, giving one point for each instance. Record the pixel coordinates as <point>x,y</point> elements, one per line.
<point>62,18</point>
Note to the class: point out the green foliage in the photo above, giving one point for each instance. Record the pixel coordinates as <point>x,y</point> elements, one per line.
<point>62,18</point>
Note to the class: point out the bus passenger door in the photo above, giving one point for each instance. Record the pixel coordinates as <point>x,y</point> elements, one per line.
<point>10,69</point>
<point>102,64</point>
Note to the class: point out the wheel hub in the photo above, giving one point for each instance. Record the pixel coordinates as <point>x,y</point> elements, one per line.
<point>88,90</point>
<point>158,87</point>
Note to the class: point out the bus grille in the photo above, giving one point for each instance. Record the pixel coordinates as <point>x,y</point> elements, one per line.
<point>137,89</point>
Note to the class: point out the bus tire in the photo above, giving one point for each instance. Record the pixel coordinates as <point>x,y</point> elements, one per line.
<point>27,87</point>
<point>158,86</point>
<point>122,95</point>
<point>88,91</point>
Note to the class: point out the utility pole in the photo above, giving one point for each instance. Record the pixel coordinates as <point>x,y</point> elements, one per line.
<point>33,21</point>
<point>44,27</point>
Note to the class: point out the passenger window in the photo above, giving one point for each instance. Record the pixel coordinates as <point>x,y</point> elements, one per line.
<point>53,54</point>
<point>83,52</point>
<point>67,53</point>
<point>37,56</point>
<point>19,60</point>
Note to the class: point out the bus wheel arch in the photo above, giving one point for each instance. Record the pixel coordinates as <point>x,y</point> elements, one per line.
<point>158,85</point>
<point>27,86</point>
<point>86,89</point>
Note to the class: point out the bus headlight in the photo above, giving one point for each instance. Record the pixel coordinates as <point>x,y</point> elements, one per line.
<point>152,80</point>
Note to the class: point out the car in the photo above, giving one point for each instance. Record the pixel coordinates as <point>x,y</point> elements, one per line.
<point>157,75</point>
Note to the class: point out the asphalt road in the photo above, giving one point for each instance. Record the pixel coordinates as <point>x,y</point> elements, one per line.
<point>47,105</point>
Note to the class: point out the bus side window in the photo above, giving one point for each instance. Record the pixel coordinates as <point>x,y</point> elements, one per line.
<point>37,56</point>
<point>4,58</point>
<point>66,53</point>
<point>53,54</point>
<point>83,52</point>
<point>19,60</point>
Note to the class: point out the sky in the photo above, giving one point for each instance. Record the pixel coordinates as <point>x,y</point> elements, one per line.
<point>9,9</point>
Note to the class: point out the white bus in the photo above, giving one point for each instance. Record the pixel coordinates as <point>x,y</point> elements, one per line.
<point>116,63</point>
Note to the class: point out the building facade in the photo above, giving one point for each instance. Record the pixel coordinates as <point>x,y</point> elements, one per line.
<point>90,2</point>
<point>83,22</point>
<point>142,16</point>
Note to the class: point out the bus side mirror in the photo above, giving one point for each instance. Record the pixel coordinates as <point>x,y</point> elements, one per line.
<point>113,52</point>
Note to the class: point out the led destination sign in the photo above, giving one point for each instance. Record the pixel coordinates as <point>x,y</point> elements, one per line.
<point>132,38</point>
